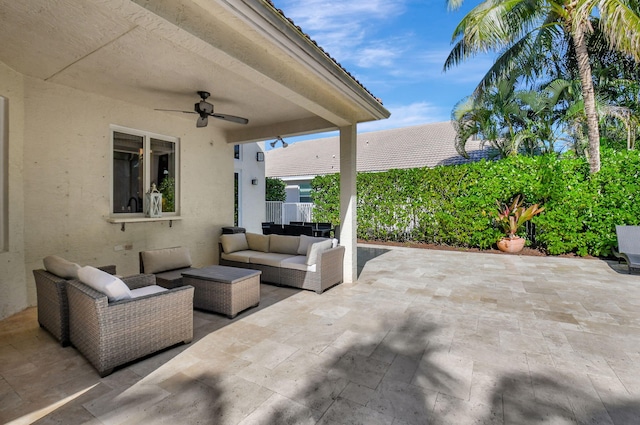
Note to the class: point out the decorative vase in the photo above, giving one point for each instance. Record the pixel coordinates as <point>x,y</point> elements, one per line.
<point>511,245</point>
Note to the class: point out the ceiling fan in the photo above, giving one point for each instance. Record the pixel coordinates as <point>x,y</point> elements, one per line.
<point>205,110</point>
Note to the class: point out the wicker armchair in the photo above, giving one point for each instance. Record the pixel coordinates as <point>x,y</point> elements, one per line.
<point>112,334</point>
<point>53,309</point>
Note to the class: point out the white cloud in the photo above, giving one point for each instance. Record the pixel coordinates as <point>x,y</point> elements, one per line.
<point>342,28</point>
<point>408,115</point>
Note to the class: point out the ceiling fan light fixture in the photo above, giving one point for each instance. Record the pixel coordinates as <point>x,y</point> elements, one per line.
<point>203,120</point>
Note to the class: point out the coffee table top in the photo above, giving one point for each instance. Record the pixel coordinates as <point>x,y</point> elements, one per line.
<point>224,274</point>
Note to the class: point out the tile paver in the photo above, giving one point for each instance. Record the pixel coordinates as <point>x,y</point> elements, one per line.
<point>423,337</point>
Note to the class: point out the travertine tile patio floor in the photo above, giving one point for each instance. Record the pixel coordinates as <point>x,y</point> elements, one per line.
<point>423,337</point>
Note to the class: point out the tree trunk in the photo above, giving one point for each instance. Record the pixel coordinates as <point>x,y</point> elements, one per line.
<point>588,95</point>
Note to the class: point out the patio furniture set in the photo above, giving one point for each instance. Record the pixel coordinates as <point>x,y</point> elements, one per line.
<point>297,228</point>
<point>113,321</point>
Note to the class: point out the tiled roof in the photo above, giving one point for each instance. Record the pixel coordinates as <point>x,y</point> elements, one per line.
<point>426,145</point>
<point>270,2</point>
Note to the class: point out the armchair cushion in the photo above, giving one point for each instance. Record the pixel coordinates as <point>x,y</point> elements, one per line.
<point>160,260</point>
<point>61,267</point>
<point>147,290</point>
<point>103,282</point>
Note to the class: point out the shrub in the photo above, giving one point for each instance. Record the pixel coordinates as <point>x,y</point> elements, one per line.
<point>451,204</point>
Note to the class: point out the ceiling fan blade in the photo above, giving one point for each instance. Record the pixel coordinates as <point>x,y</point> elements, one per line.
<point>203,120</point>
<point>175,110</point>
<point>232,118</point>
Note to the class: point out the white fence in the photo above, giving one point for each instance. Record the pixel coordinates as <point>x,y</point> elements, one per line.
<point>285,213</point>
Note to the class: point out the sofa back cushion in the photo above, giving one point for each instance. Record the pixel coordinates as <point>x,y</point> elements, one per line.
<point>61,267</point>
<point>234,242</point>
<point>103,282</point>
<point>283,244</point>
<point>305,241</point>
<point>315,249</point>
<point>160,260</point>
<point>258,242</point>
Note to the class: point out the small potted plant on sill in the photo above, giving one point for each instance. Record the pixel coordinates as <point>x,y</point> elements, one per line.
<point>511,218</point>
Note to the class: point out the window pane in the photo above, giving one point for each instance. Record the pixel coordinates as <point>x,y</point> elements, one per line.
<point>163,172</point>
<point>236,151</point>
<point>127,173</point>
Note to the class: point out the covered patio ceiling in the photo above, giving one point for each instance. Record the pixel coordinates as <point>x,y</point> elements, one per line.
<point>254,61</point>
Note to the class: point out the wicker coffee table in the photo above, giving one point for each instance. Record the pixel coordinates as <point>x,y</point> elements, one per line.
<point>222,289</point>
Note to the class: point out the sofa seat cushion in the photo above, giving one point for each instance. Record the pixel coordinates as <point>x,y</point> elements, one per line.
<point>147,290</point>
<point>283,244</point>
<point>61,267</point>
<point>161,260</point>
<point>238,256</point>
<point>299,262</point>
<point>103,282</point>
<point>268,258</point>
<point>173,274</point>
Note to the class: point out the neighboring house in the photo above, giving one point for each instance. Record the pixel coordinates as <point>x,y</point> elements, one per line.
<point>426,145</point>
<point>82,139</point>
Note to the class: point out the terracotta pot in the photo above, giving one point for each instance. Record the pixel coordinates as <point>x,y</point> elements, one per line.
<point>511,244</point>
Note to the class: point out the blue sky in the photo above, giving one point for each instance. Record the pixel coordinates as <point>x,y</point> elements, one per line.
<point>396,49</point>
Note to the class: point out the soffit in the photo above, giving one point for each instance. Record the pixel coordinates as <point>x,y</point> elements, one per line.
<point>158,54</point>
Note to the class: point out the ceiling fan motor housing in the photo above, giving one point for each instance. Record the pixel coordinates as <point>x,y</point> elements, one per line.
<point>203,107</point>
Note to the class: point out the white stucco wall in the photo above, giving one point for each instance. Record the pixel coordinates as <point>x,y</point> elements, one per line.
<point>12,271</point>
<point>251,197</point>
<point>66,174</point>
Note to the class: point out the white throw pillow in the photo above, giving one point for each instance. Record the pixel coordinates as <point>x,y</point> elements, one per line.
<point>111,286</point>
<point>61,267</point>
<point>305,241</point>
<point>315,249</point>
<point>234,242</point>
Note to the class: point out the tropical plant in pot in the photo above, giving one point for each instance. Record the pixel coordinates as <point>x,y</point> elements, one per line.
<point>511,217</point>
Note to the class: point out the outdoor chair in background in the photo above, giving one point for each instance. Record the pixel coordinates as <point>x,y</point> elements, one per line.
<point>266,227</point>
<point>629,246</point>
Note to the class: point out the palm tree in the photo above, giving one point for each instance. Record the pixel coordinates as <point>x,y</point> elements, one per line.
<point>521,29</point>
<point>494,116</point>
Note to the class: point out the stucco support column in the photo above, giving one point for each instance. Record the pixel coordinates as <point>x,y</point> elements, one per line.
<point>348,216</point>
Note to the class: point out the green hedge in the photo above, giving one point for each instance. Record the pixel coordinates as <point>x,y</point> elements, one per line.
<point>451,205</point>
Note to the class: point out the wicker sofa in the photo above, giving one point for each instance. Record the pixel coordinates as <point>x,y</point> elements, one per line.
<point>51,294</point>
<point>110,333</point>
<point>301,262</point>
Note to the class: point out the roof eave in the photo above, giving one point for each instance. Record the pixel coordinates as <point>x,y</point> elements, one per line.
<point>314,57</point>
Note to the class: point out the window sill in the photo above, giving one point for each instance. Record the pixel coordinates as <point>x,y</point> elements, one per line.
<point>124,220</point>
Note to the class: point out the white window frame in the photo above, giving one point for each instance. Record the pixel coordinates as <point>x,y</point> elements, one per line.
<point>146,137</point>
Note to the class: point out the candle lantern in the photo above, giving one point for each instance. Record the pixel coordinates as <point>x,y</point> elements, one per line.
<point>154,202</point>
